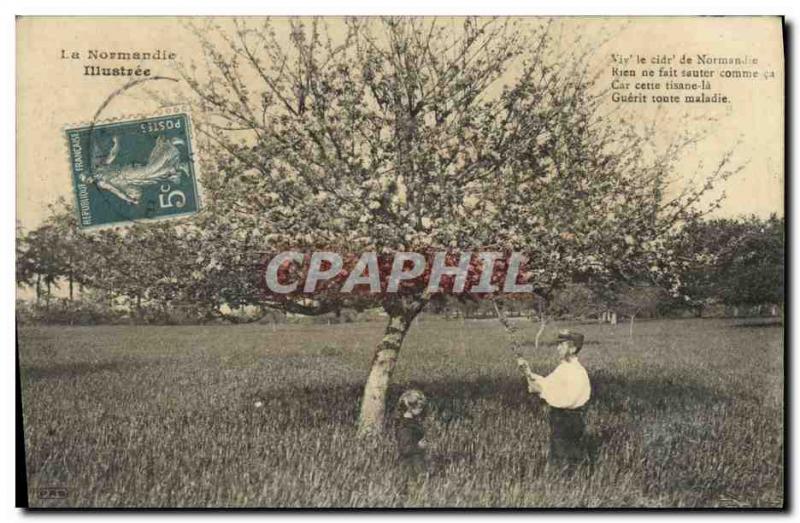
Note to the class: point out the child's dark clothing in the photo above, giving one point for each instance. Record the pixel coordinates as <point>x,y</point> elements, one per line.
<point>411,456</point>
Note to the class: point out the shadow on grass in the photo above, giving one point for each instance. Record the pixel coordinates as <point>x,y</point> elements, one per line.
<point>71,370</point>
<point>759,324</point>
<point>653,394</point>
<point>454,400</point>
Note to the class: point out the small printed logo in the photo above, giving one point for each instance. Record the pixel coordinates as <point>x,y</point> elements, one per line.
<point>51,492</point>
<point>133,170</point>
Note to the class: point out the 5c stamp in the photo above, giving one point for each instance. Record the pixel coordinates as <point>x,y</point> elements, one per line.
<point>133,170</point>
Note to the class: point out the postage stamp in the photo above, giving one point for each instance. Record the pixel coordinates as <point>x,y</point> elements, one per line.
<point>140,169</point>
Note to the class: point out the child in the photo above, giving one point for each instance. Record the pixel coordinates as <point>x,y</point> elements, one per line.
<point>566,390</point>
<point>410,433</point>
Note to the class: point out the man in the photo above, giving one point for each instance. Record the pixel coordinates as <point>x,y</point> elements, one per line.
<point>565,390</point>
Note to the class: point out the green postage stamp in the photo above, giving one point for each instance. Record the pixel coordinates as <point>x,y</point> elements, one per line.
<point>132,170</point>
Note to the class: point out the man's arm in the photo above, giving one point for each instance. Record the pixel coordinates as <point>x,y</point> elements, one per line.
<point>532,377</point>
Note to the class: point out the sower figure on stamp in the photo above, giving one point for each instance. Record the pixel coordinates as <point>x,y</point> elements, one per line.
<point>566,390</point>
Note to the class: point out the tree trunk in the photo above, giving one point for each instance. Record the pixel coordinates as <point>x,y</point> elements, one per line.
<point>70,287</point>
<point>613,318</point>
<point>373,403</point>
<point>38,289</point>
<point>630,329</point>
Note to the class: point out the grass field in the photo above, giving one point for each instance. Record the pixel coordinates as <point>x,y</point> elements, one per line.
<point>689,412</point>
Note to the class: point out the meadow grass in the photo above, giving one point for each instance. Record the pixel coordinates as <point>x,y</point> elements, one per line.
<point>689,413</point>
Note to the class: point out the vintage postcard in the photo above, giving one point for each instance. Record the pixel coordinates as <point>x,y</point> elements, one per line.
<point>401,262</point>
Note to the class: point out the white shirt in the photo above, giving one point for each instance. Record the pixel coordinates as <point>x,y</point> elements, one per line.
<point>567,387</point>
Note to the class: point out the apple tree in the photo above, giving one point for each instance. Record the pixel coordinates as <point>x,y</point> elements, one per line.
<point>419,134</point>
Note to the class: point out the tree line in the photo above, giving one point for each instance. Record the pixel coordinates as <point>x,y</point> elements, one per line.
<point>154,273</point>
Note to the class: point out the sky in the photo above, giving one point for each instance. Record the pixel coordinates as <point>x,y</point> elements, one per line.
<point>53,94</point>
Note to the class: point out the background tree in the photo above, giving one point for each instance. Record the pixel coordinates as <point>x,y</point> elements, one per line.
<point>153,268</point>
<point>634,300</point>
<point>25,261</point>
<point>575,300</point>
<point>735,262</point>
<point>50,254</point>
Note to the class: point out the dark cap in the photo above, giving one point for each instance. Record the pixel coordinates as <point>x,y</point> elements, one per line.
<point>574,337</point>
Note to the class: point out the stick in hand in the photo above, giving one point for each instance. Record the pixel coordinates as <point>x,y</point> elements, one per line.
<point>511,330</point>
<point>515,347</point>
